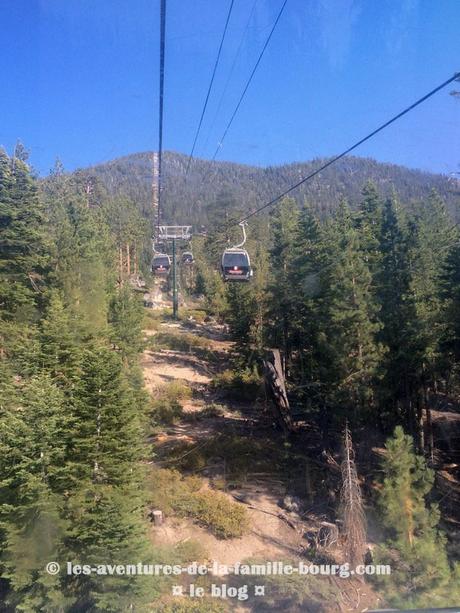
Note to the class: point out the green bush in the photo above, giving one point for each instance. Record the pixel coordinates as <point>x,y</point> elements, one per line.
<point>226,519</point>
<point>153,318</point>
<point>167,406</point>
<point>211,410</point>
<point>201,605</point>
<point>180,341</point>
<point>175,494</point>
<point>176,390</point>
<point>291,592</point>
<point>242,455</point>
<point>166,412</point>
<point>198,315</point>
<point>151,324</point>
<point>170,491</point>
<point>185,342</point>
<point>241,384</point>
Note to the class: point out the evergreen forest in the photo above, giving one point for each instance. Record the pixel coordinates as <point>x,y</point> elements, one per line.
<point>357,285</point>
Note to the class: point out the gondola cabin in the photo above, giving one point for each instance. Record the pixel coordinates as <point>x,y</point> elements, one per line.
<point>187,257</point>
<point>236,265</point>
<point>161,264</point>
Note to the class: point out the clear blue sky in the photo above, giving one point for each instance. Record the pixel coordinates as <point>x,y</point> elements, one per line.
<point>80,79</point>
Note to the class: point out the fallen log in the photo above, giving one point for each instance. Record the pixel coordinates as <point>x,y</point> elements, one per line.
<point>282,516</point>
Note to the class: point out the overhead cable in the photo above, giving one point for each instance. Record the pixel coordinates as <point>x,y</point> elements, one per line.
<point>347,151</point>
<point>210,86</point>
<point>248,82</point>
<point>160,109</point>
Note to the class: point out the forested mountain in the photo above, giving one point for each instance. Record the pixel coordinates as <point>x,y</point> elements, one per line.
<point>232,187</point>
<point>361,298</point>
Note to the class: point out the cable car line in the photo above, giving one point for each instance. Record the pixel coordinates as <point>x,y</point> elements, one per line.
<point>246,87</point>
<point>161,104</point>
<point>357,144</point>
<point>210,87</point>
<point>232,68</point>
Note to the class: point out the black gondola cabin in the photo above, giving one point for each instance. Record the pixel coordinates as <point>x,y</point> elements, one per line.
<point>161,264</point>
<point>236,265</point>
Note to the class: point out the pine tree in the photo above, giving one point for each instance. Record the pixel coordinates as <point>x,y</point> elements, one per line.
<point>106,503</point>
<point>397,314</point>
<point>351,505</point>
<point>305,278</point>
<point>23,245</point>
<point>27,243</point>
<point>107,528</point>
<point>70,410</point>
<point>282,295</point>
<point>130,232</point>
<point>84,259</point>
<point>368,223</point>
<point>416,549</point>
<point>349,316</point>
<point>433,236</point>
<point>33,481</point>
<point>106,431</point>
<point>240,315</point>
<point>59,348</point>
<point>125,317</point>
<point>450,314</point>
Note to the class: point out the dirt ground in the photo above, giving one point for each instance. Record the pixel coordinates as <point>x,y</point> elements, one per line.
<point>276,533</point>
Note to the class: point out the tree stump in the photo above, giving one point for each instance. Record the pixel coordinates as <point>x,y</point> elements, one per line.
<point>276,389</point>
<point>157,517</point>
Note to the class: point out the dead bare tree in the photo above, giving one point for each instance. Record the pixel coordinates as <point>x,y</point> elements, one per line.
<point>351,506</point>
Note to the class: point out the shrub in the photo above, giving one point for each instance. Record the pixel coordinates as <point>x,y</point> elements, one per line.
<point>211,410</point>
<point>180,341</point>
<point>167,406</point>
<point>185,342</point>
<point>201,605</point>
<point>151,324</point>
<point>198,315</point>
<point>176,390</point>
<point>166,411</point>
<point>226,519</point>
<point>242,455</point>
<point>173,493</point>
<point>170,491</point>
<point>153,318</point>
<point>291,592</point>
<point>240,384</point>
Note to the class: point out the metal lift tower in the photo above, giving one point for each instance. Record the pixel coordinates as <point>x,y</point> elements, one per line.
<point>174,234</point>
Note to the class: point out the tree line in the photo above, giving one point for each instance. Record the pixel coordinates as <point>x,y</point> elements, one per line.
<point>231,187</point>
<point>364,305</point>
<point>365,308</point>
<point>72,406</point>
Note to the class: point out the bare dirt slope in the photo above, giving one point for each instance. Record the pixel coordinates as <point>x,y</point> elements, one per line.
<point>276,532</point>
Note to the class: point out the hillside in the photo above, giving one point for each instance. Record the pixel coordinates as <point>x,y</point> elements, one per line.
<point>240,188</point>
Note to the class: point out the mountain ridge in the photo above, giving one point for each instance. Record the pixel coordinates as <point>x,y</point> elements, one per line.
<point>239,188</point>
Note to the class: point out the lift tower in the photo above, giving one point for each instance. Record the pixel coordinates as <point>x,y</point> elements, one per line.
<point>174,234</point>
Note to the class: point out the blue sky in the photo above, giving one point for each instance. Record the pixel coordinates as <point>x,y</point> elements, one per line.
<point>80,79</point>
